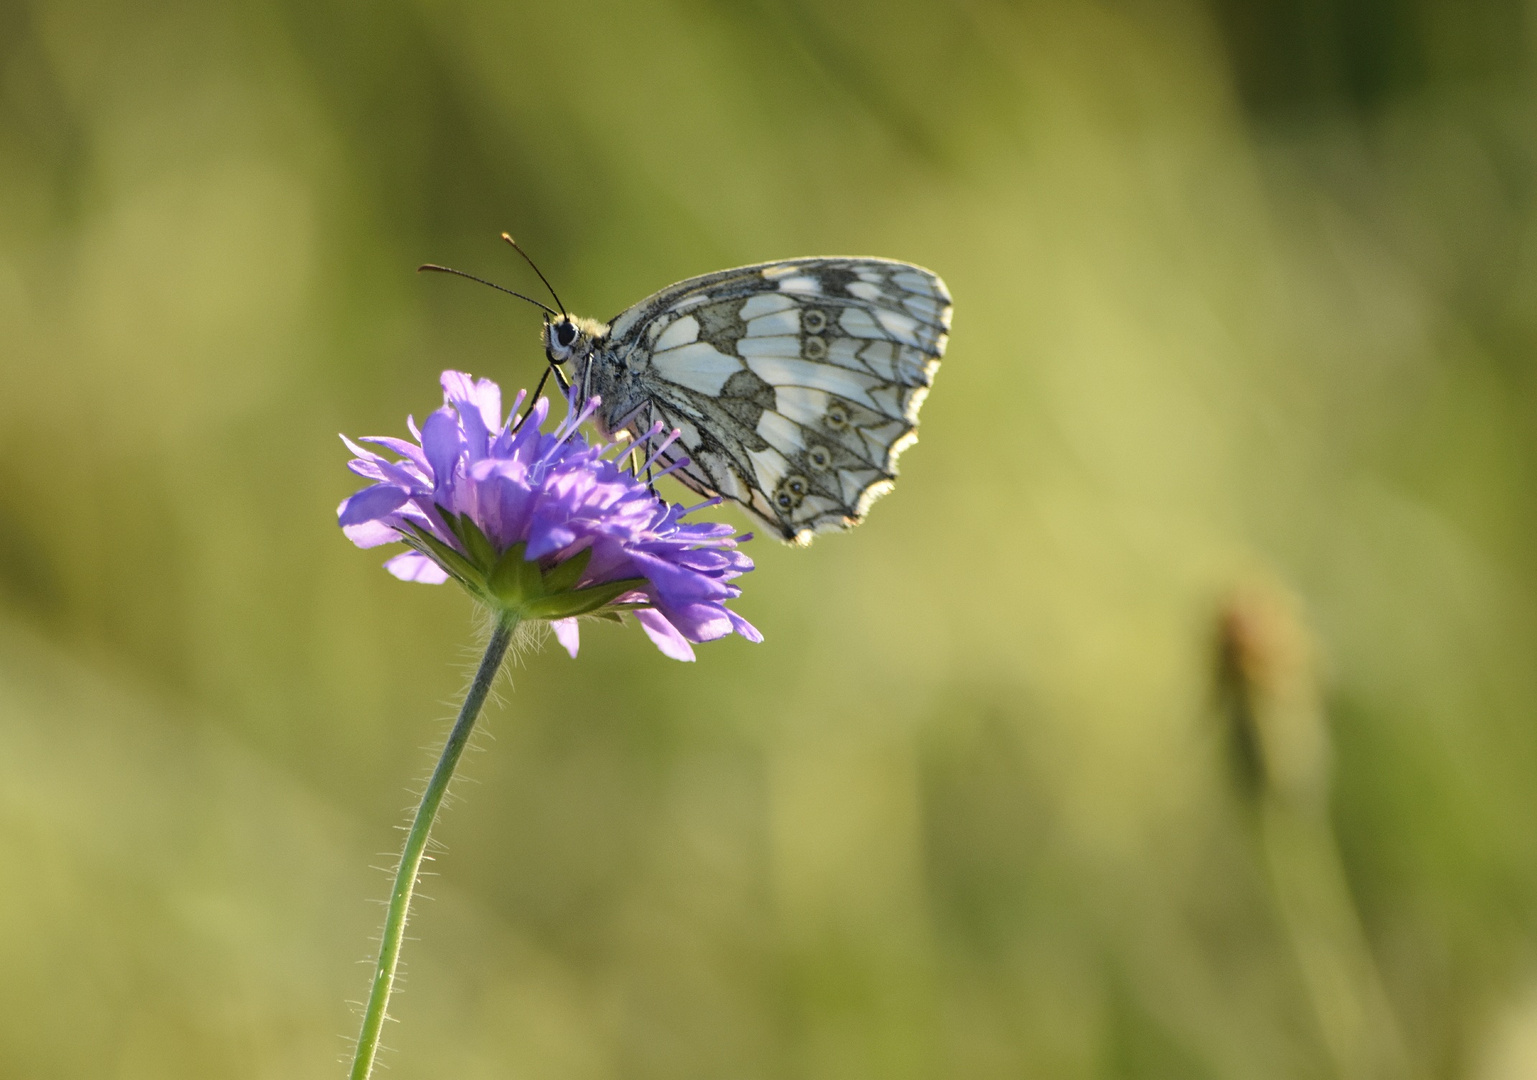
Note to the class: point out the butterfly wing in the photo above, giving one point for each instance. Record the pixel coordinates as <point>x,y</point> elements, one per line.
<point>795,384</point>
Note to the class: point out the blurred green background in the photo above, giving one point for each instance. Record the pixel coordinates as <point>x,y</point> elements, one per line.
<point>1246,298</point>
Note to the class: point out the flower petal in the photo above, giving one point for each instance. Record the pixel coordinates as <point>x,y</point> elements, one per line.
<point>414,566</point>
<point>568,634</point>
<point>408,450</point>
<point>442,442</point>
<point>698,622</point>
<point>370,534</point>
<point>743,627</point>
<point>547,537</point>
<point>502,498</point>
<point>358,451</point>
<point>479,405</point>
<point>371,504</point>
<point>664,635</point>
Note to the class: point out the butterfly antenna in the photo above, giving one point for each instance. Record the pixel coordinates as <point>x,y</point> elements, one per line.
<point>491,284</point>
<point>508,237</point>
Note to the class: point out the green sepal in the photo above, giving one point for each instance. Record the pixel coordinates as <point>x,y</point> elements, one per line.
<point>568,604</point>
<point>609,614</point>
<point>565,576</point>
<point>450,521</point>
<point>515,584</point>
<point>514,580</point>
<point>479,549</point>
<point>456,564</point>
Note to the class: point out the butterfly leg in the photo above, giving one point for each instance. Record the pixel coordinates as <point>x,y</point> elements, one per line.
<point>641,452</point>
<point>534,397</point>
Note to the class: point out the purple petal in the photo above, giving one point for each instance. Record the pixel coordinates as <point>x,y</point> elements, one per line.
<point>457,386</point>
<point>358,451</point>
<point>366,468</point>
<point>370,534</point>
<point>397,474</point>
<point>568,634</point>
<point>502,499</point>
<point>703,560</point>
<point>429,515</point>
<point>503,441</point>
<point>743,627</point>
<point>371,504</point>
<point>664,635</point>
<point>408,450</point>
<point>489,397</point>
<point>442,442</point>
<point>482,396</point>
<point>698,622</point>
<point>547,537</point>
<point>676,584</point>
<point>529,432</point>
<point>477,440</point>
<point>479,405</point>
<point>414,566</point>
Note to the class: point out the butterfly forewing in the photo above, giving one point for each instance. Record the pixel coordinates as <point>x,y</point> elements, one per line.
<point>795,384</point>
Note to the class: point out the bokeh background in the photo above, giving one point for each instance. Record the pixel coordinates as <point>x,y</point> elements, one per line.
<point>1173,718</point>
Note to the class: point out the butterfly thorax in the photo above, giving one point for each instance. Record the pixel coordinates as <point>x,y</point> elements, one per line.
<point>596,368</point>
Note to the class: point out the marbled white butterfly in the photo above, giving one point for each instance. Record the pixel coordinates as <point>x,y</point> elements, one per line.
<point>794,385</point>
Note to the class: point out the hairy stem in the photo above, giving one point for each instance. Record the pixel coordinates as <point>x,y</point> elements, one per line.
<point>416,847</point>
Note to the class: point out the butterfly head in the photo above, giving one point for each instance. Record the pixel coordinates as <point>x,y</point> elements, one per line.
<point>568,337</point>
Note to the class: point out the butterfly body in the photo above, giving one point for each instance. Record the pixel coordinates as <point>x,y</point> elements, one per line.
<point>794,385</point>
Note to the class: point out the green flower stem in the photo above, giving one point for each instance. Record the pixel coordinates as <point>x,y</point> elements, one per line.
<point>416,846</point>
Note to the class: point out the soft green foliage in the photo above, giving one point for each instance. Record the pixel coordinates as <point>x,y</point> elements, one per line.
<point>1244,293</point>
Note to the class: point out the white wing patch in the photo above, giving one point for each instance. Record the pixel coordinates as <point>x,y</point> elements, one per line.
<point>809,286</point>
<point>854,481</point>
<point>684,331</point>
<point>769,466</point>
<point>765,303</point>
<point>787,321</point>
<point>749,347</point>
<point>800,404</point>
<point>783,371</point>
<point>781,433</point>
<point>697,366</point>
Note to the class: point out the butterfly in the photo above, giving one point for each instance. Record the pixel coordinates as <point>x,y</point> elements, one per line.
<point>794,386</point>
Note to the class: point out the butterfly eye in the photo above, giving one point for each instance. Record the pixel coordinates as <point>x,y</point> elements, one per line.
<point>814,321</point>
<point>819,457</point>
<point>565,334</point>
<point>837,417</point>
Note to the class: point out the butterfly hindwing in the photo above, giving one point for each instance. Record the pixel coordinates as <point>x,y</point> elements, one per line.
<point>796,384</point>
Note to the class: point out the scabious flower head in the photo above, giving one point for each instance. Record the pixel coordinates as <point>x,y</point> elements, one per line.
<point>542,525</point>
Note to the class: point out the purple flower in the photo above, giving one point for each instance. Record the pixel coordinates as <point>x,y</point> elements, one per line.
<point>542,525</point>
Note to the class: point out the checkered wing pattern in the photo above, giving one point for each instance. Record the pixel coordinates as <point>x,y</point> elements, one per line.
<point>796,385</point>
